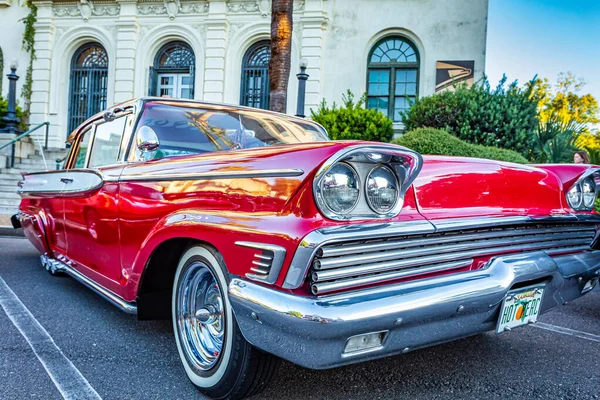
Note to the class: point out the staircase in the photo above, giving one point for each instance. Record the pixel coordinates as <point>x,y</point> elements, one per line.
<point>9,177</point>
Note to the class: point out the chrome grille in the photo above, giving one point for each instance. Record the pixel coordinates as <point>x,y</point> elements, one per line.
<point>346,265</point>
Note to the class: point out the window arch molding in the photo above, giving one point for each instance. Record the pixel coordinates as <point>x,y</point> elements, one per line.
<point>254,82</point>
<point>173,70</point>
<point>70,41</point>
<point>88,83</point>
<point>420,62</point>
<point>153,40</point>
<point>246,37</point>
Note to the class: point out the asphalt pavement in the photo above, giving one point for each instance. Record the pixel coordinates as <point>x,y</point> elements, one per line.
<point>123,358</point>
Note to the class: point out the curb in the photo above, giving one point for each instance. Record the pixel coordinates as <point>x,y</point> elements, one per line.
<point>10,231</point>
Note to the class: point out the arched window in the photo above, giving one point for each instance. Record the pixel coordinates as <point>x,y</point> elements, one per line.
<point>172,74</point>
<point>88,83</point>
<point>255,76</point>
<point>393,75</point>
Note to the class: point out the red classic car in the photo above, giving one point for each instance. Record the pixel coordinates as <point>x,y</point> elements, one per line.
<point>261,239</point>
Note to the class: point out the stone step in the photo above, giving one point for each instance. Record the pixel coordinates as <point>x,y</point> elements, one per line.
<point>12,188</point>
<point>10,203</point>
<point>10,176</point>
<point>26,169</point>
<point>9,196</point>
<point>37,160</point>
<point>8,210</point>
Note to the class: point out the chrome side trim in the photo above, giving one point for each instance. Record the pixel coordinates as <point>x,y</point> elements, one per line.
<point>270,265</point>
<point>192,176</point>
<point>58,266</point>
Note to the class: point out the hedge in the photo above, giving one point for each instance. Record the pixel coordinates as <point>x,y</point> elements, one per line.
<point>438,141</point>
<point>352,121</point>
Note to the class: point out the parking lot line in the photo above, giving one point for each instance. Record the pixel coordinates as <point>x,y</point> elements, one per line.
<point>567,331</point>
<point>66,377</point>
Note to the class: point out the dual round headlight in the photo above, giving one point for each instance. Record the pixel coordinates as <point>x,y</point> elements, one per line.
<point>582,195</point>
<point>340,189</point>
<point>382,189</point>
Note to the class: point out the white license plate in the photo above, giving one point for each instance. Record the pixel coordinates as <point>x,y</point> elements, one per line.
<point>519,308</point>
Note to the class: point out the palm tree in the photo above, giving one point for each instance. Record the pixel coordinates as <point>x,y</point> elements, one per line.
<point>281,51</point>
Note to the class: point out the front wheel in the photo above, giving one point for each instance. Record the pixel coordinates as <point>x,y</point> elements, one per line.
<point>215,355</point>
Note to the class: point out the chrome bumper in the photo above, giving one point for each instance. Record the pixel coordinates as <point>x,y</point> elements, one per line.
<point>313,331</point>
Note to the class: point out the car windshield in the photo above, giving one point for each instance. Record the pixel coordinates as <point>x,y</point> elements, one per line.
<point>189,129</point>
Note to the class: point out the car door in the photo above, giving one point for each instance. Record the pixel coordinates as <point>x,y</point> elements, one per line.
<point>91,203</point>
<point>43,204</point>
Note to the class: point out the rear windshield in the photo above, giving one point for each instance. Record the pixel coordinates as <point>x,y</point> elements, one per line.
<point>183,129</point>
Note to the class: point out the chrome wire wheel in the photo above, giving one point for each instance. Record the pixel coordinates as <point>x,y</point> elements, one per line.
<point>200,316</point>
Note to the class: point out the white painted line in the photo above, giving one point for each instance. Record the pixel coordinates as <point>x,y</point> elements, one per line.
<point>567,331</point>
<point>66,377</point>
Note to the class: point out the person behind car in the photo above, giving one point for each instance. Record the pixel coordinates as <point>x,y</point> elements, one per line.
<point>581,157</point>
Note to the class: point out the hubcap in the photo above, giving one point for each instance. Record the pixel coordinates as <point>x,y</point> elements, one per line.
<point>200,316</point>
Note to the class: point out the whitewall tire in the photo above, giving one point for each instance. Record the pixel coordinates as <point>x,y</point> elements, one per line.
<point>215,355</point>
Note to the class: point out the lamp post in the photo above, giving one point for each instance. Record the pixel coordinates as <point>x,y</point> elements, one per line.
<point>10,119</point>
<point>302,78</point>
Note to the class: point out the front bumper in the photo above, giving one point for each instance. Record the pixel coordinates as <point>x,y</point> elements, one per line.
<point>313,331</point>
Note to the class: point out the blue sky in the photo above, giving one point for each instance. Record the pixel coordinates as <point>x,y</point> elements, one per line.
<point>544,37</point>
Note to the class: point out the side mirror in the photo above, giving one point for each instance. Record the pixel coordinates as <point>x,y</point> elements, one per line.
<point>146,140</point>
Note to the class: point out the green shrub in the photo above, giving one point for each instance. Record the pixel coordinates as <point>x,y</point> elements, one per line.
<point>438,141</point>
<point>352,121</point>
<point>503,117</point>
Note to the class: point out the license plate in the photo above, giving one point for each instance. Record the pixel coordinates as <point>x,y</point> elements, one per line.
<point>520,308</point>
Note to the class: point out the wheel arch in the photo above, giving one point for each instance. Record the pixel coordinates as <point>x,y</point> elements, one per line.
<point>156,282</point>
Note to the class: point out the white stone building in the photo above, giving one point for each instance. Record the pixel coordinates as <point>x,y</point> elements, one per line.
<point>94,53</point>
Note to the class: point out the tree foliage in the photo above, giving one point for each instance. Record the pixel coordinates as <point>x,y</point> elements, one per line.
<point>554,141</point>
<point>352,121</point>
<point>438,141</point>
<point>564,102</point>
<point>504,116</point>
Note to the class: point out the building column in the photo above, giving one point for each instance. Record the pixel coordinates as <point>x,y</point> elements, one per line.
<point>40,89</point>
<point>127,34</point>
<point>314,23</point>
<point>217,28</point>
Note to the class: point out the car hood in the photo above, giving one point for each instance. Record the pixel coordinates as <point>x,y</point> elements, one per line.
<point>450,187</point>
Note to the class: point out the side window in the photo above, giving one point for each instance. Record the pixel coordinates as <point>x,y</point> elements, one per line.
<point>84,146</point>
<point>107,143</point>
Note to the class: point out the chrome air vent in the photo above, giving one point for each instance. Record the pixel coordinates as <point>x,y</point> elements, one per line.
<point>267,261</point>
<point>345,265</point>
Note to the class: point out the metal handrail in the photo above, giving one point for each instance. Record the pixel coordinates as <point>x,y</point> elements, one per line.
<point>25,134</point>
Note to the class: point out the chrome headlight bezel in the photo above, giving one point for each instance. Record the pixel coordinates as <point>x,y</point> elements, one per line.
<point>588,187</point>
<point>404,163</point>
<point>581,196</point>
<point>395,182</point>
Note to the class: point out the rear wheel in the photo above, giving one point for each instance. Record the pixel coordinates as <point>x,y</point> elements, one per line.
<point>214,354</point>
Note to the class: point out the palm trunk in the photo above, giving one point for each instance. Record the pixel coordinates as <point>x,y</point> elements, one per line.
<point>281,51</point>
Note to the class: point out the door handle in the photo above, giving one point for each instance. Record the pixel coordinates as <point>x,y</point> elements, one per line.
<point>66,180</point>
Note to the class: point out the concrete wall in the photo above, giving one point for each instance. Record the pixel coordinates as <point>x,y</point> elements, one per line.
<point>334,35</point>
<point>11,12</point>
